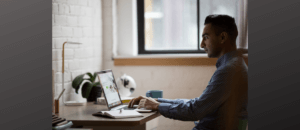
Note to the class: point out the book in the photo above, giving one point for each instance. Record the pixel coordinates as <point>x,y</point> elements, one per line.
<point>117,114</point>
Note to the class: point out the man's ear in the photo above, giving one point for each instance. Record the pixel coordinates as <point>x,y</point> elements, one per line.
<point>224,37</point>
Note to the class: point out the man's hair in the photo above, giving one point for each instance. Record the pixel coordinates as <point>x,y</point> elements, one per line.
<point>223,23</point>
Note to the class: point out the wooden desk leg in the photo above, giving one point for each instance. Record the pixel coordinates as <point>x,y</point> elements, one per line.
<point>139,127</point>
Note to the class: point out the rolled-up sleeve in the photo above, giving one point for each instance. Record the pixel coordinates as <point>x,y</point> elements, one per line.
<point>216,93</point>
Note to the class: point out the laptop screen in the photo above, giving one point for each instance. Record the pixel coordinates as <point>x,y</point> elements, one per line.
<point>109,88</point>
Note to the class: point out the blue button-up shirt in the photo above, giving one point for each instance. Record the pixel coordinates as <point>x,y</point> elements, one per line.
<point>222,103</point>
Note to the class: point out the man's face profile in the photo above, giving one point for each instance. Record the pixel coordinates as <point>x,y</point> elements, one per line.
<point>210,42</point>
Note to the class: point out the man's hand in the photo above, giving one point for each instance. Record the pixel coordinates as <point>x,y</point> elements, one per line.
<point>136,101</point>
<point>149,103</point>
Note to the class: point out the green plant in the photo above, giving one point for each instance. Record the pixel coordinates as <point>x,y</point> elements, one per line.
<point>87,86</point>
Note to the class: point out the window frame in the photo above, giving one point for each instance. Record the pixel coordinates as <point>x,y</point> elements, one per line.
<point>141,34</point>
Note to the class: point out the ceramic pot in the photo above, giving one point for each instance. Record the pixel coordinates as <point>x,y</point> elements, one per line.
<point>95,93</point>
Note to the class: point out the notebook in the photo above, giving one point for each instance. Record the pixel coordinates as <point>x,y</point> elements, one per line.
<point>119,114</point>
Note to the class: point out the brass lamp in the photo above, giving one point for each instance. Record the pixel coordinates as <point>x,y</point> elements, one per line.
<point>63,70</point>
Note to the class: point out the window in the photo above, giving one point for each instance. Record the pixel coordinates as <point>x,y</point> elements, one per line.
<point>168,26</point>
<point>175,26</point>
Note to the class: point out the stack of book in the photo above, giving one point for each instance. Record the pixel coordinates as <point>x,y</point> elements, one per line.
<point>60,123</point>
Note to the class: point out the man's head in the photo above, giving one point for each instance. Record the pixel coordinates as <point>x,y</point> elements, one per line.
<point>220,32</point>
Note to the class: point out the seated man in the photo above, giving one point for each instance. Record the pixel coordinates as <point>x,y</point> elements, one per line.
<point>224,101</point>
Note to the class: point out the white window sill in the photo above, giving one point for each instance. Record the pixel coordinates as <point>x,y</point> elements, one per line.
<point>167,60</point>
<point>153,56</point>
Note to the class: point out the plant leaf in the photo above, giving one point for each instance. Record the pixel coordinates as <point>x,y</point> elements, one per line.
<point>86,89</point>
<point>78,87</point>
<point>94,78</point>
<point>91,76</point>
<point>77,81</point>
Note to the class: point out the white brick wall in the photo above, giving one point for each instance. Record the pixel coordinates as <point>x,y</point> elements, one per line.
<point>77,21</point>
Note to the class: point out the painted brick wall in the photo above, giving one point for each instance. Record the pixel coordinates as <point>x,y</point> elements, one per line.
<point>77,21</point>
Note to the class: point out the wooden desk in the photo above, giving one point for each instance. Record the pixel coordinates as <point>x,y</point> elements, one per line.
<point>82,116</point>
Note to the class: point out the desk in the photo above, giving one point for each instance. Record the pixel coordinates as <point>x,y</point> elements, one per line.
<point>82,116</point>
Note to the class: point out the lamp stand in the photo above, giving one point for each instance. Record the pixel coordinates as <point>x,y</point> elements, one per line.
<point>68,103</point>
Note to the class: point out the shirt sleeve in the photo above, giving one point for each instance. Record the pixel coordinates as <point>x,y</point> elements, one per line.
<point>172,101</point>
<point>216,93</point>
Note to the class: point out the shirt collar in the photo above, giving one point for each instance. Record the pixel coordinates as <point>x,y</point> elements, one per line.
<point>222,60</point>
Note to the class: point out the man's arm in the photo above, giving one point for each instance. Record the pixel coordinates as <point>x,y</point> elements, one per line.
<point>171,101</point>
<point>216,93</point>
<point>136,101</point>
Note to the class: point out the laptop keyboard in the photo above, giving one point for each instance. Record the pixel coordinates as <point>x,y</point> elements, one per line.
<point>125,107</point>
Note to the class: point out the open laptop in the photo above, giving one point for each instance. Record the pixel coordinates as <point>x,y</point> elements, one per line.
<point>110,90</point>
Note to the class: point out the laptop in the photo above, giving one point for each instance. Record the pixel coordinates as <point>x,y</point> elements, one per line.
<point>110,91</point>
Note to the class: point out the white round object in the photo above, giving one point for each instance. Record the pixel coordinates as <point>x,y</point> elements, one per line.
<point>126,85</point>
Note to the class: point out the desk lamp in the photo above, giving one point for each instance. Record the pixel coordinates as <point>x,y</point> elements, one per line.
<point>72,103</point>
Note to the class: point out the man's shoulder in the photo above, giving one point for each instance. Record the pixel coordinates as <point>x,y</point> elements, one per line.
<point>235,63</point>
<point>234,66</point>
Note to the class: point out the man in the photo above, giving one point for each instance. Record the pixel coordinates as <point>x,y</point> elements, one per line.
<point>224,101</point>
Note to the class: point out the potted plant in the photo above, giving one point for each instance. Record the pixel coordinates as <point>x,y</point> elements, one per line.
<point>90,90</point>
